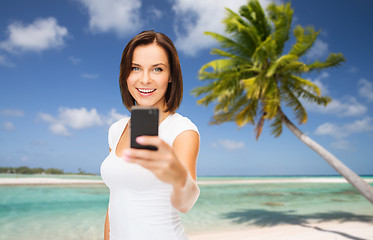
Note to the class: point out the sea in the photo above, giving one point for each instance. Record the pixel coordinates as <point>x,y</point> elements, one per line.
<point>67,212</point>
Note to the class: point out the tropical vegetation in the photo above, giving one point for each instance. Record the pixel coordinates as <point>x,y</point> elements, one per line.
<point>253,80</point>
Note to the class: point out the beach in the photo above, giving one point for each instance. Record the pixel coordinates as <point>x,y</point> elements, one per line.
<point>281,208</point>
<point>312,231</point>
<point>63,181</point>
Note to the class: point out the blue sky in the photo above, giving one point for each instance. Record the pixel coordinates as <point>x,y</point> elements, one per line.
<point>59,65</point>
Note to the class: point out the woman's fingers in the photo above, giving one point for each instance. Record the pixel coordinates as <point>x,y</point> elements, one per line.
<point>136,154</point>
<point>163,162</point>
<point>150,140</point>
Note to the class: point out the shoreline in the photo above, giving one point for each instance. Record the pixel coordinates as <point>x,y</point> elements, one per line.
<point>16,181</point>
<point>339,230</point>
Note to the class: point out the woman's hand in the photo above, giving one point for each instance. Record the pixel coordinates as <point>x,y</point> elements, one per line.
<point>163,162</point>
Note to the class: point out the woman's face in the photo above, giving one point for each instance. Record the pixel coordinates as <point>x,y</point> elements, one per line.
<point>149,77</point>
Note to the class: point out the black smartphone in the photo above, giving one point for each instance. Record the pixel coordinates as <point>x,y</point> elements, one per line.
<point>144,121</point>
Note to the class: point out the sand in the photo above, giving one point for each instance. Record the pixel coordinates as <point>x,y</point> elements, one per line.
<point>46,181</point>
<point>311,231</point>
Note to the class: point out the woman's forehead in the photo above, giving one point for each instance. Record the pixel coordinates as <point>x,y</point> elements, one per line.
<point>149,54</point>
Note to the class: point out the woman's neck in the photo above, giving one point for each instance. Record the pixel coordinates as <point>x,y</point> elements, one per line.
<point>163,116</point>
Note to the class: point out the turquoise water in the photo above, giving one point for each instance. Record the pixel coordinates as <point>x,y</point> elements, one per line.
<point>78,212</point>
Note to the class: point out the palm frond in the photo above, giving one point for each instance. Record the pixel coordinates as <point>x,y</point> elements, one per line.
<point>280,62</point>
<point>305,39</point>
<point>241,31</point>
<point>222,53</point>
<point>281,16</point>
<point>230,45</point>
<point>333,60</point>
<point>299,82</point>
<point>217,65</point>
<point>259,127</point>
<point>271,99</point>
<point>276,126</point>
<point>293,102</point>
<point>254,13</point>
<point>265,51</point>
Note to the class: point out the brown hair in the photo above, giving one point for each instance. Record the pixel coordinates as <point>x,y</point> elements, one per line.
<point>174,91</point>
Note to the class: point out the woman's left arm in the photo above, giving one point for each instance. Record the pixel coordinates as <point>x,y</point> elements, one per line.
<point>186,148</point>
<point>175,165</point>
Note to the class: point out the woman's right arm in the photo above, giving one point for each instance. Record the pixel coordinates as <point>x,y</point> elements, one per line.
<point>107,226</point>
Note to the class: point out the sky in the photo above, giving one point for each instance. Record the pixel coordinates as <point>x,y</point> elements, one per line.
<point>59,91</point>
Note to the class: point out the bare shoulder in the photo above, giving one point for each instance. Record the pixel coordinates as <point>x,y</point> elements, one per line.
<point>187,137</point>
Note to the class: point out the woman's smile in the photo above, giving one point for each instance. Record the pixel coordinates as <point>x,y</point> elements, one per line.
<point>146,91</point>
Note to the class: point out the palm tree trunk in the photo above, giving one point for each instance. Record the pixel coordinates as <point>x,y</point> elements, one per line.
<point>362,186</point>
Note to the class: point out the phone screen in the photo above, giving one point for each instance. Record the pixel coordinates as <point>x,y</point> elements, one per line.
<point>144,121</point>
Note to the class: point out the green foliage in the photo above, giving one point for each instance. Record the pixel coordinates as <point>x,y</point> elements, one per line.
<point>27,170</point>
<point>253,79</point>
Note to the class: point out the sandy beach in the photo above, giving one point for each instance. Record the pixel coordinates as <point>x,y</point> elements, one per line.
<point>312,231</point>
<point>346,227</point>
<point>46,181</point>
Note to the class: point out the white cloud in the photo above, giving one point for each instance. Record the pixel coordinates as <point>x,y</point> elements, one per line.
<point>358,126</point>
<point>79,118</point>
<point>113,116</point>
<point>154,13</point>
<point>196,17</point>
<point>59,129</point>
<point>89,75</point>
<point>40,35</point>
<point>119,16</point>
<point>346,107</point>
<point>228,144</point>
<point>318,50</point>
<point>349,108</point>
<point>352,70</point>
<point>74,60</point>
<point>366,89</point>
<point>12,113</point>
<point>342,144</point>
<point>8,126</point>
<point>320,84</point>
<point>5,62</point>
<point>339,132</point>
<point>330,129</point>
<point>74,118</point>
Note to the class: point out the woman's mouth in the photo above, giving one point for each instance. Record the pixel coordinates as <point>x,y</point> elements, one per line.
<point>146,91</point>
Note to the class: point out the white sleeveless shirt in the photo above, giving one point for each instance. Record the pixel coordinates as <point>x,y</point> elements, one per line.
<point>140,207</point>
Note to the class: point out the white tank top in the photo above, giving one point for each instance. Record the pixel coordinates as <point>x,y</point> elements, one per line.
<point>140,207</point>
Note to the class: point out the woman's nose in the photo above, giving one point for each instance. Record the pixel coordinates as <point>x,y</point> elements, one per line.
<point>145,78</point>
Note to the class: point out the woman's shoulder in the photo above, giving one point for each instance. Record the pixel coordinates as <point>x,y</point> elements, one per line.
<point>183,122</point>
<point>178,124</point>
<point>118,125</point>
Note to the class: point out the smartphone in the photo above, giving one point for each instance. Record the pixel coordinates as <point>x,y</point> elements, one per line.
<point>144,121</point>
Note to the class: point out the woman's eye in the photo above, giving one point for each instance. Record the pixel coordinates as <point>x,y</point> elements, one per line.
<point>158,69</point>
<point>135,69</point>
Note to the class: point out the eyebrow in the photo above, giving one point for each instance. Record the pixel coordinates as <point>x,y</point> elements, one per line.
<point>155,65</point>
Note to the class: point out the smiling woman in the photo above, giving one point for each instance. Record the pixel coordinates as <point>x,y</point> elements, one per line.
<point>148,189</point>
<point>148,81</point>
<point>165,63</point>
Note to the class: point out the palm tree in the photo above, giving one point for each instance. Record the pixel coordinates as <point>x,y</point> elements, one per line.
<point>254,80</point>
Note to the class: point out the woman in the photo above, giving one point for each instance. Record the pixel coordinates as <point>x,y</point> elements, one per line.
<point>148,188</point>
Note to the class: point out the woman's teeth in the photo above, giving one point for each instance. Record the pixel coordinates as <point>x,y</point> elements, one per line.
<point>146,90</point>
